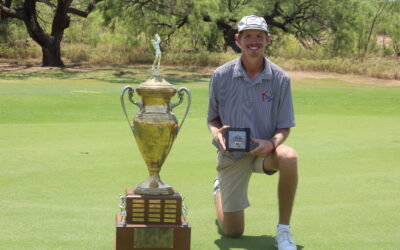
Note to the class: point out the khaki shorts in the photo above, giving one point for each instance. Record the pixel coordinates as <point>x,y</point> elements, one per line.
<point>234,176</point>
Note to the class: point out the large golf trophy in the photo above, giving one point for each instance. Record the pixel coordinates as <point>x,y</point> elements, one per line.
<point>152,214</point>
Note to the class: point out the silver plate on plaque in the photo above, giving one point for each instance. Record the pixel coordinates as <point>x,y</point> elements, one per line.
<point>153,238</point>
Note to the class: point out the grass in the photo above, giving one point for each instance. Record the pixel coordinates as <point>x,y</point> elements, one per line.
<point>66,154</point>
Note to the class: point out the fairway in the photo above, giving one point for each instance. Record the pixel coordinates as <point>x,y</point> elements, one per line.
<point>67,153</point>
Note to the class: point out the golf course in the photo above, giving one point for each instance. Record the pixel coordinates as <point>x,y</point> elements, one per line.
<point>67,154</point>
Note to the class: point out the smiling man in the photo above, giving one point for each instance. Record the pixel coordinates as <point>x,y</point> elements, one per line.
<point>252,93</point>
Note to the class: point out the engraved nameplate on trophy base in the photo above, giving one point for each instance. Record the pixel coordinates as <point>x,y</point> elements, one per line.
<point>152,209</point>
<point>155,237</point>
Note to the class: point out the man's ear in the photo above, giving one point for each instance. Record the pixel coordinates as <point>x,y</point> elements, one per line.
<point>268,38</point>
<point>237,40</point>
<point>236,37</point>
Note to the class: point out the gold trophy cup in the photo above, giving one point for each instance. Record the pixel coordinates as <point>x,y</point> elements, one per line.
<point>155,127</point>
<point>153,216</point>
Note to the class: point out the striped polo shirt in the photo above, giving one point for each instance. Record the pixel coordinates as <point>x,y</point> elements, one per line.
<point>263,104</point>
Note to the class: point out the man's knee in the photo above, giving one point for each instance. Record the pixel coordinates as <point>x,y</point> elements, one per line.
<point>233,224</point>
<point>287,156</point>
<point>233,232</point>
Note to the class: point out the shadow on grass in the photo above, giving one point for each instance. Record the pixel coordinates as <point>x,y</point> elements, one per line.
<point>262,242</point>
<point>22,74</point>
<point>112,74</point>
<point>246,242</point>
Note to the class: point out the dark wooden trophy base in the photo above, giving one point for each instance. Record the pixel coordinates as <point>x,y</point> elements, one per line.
<point>152,223</point>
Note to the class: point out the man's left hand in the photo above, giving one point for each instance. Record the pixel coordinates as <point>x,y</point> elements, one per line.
<point>263,149</point>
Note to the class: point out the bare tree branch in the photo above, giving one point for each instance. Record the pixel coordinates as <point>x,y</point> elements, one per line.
<point>48,2</point>
<point>381,7</point>
<point>85,13</point>
<point>12,12</point>
<point>4,15</point>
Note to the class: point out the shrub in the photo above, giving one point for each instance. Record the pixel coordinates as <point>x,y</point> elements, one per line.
<point>76,53</point>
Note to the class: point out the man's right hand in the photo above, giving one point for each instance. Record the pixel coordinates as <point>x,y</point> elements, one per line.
<point>217,132</point>
<point>218,135</point>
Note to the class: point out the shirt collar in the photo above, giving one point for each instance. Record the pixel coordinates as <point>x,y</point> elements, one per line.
<point>239,71</point>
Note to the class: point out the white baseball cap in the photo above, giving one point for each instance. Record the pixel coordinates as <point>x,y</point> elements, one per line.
<point>252,23</point>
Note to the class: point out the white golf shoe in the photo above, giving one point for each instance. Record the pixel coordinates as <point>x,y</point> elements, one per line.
<point>284,240</point>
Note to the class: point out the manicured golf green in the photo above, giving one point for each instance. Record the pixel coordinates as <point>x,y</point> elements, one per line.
<point>67,153</point>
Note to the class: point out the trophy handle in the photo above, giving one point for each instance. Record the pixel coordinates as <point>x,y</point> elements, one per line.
<point>131,91</point>
<point>173,105</point>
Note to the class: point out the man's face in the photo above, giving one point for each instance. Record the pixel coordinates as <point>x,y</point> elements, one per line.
<point>252,43</point>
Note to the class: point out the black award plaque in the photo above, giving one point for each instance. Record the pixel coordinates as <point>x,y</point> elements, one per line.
<point>237,139</point>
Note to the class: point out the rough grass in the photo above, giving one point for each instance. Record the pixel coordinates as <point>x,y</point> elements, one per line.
<point>377,67</point>
<point>66,154</point>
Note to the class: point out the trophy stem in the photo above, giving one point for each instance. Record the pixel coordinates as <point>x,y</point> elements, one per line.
<point>153,185</point>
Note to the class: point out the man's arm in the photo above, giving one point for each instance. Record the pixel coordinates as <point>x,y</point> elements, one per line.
<point>217,132</point>
<point>265,147</point>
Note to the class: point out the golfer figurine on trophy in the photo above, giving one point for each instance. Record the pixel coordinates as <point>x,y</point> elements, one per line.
<point>151,214</point>
<point>157,59</point>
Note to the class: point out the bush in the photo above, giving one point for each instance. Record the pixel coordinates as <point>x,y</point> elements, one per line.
<point>202,59</point>
<point>379,67</point>
<point>388,52</point>
<point>76,53</point>
<point>20,50</point>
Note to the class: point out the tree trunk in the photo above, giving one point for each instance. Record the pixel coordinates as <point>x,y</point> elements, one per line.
<point>51,55</point>
<point>50,44</point>
<point>3,14</point>
<point>4,29</point>
<point>229,35</point>
<point>229,38</point>
<point>374,21</point>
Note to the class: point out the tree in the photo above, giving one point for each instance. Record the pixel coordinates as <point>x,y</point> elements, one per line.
<point>50,43</point>
<point>389,26</point>
<point>376,14</point>
<point>335,24</point>
<point>345,27</point>
<point>305,19</point>
<point>149,16</point>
